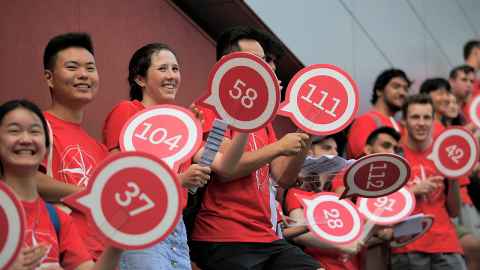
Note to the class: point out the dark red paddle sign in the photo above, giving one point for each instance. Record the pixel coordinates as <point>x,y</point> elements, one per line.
<point>321,99</point>
<point>455,152</point>
<point>12,226</point>
<point>169,132</point>
<point>332,219</point>
<point>376,176</point>
<point>243,91</point>
<point>134,200</point>
<point>388,209</point>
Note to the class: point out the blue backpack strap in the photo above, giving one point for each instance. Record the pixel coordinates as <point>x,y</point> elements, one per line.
<point>54,218</point>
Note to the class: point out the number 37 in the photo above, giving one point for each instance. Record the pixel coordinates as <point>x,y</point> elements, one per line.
<point>126,199</point>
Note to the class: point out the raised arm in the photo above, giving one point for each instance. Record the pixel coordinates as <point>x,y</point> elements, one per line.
<point>291,144</point>
<point>52,190</point>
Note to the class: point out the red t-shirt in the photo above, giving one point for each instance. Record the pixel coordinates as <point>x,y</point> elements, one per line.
<point>441,238</point>
<point>113,126</point>
<point>362,127</point>
<point>39,229</point>
<point>438,128</point>
<point>116,119</point>
<point>73,157</point>
<point>328,260</point>
<point>239,210</point>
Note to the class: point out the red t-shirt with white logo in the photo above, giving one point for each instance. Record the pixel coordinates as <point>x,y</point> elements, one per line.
<point>441,238</point>
<point>238,210</point>
<point>74,156</point>
<point>329,260</point>
<point>112,128</point>
<point>69,248</point>
<point>362,127</point>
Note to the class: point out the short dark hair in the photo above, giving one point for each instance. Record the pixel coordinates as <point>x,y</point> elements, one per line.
<point>372,138</point>
<point>463,68</point>
<point>272,46</point>
<point>423,99</point>
<point>227,42</point>
<point>139,64</point>
<point>384,78</point>
<point>11,105</point>
<point>62,42</point>
<point>434,84</point>
<point>469,46</point>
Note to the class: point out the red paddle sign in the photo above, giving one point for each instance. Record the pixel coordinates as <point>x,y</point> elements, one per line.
<point>455,152</point>
<point>332,219</point>
<point>474,110</point>
<point>321,99</point>
<point>388,209</point>
<point>133,199</point>
<point>169,132</point>
<point>244,91</point>
<point>376,175</point>
<point>12,224</point>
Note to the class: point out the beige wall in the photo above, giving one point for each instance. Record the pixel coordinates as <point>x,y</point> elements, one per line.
<point>118,28</point>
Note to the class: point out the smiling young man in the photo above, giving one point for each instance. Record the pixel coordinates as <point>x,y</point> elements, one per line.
<point>71,75</point>
<point>439,248</point>
<point>388,96</point>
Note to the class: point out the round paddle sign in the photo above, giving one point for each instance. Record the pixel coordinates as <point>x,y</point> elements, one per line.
<point>244,91</point>
<point>321,99</point>
<point>376,176</point>
<point>455,152</point>
<point>12,224</point>
<point>169,132</point>
<point>133,199</point>
<point>332,219</point>
<point>388,209</point>
<point>474,110</point>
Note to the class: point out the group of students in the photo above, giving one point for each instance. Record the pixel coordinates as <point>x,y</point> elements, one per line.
<point>47,155</point>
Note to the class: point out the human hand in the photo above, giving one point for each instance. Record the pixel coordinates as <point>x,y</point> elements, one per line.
<point>195,176</point>
<point>292,143</point>
<point>30,258</point>
<point>428,185</point>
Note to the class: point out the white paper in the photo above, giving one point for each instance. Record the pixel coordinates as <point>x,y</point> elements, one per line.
<point>324,164</point>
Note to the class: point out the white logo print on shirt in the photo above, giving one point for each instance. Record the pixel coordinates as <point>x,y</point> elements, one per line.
<point>76,166</point>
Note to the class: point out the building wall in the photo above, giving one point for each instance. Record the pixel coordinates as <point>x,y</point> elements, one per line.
<point>423,37</point>
<point>118,28</point>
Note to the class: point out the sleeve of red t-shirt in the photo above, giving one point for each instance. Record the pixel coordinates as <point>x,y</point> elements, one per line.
<point>71,248</point>
<point>291,200</point>
<point>357,136</point>
<point>208,118</point>
<point>114,123</point>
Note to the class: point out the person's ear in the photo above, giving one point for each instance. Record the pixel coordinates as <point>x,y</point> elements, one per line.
<point>140,80</point>
<point>48,76</point>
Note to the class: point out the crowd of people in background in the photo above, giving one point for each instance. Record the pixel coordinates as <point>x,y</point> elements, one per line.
<point>242,217</point>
